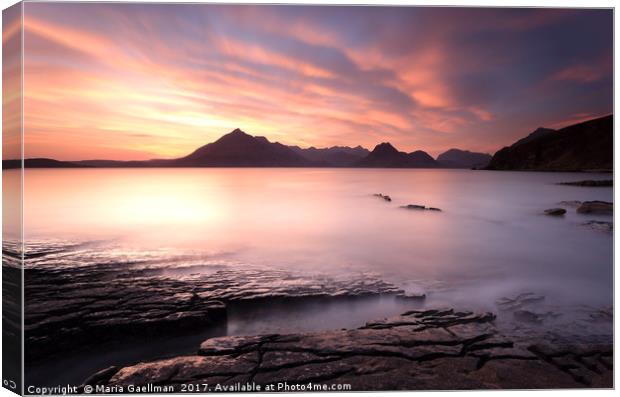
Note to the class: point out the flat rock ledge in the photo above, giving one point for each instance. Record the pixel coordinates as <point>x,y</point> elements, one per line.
<point>71,309</point>
<point>418,350</point>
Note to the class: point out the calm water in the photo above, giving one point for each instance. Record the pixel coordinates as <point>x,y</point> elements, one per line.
<point>490,240</point>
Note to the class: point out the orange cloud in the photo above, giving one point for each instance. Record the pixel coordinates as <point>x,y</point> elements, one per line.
<point>133,82</point>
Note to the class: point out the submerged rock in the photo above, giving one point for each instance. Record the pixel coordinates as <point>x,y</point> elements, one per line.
<point>519,301</point>
<point>410,296</point>
<point>419,350</point>
<point>600,226</point>
<point>419,207</point>
<point>383,196</point>
<point>527,316</point>
<point>555,211</point>
<point>570,203</point>
<point>413,207</point>
<point>605,314</point>
<point>596,207</point>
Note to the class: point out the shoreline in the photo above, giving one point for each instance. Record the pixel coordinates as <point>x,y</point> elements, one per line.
<point>158,320</point>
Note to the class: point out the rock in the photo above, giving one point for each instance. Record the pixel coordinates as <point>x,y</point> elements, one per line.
<point>596,207</point>
<point>519,301</point>
<point>605,314</point>
<point>274,360</point>
<point>413,207</point>
<point>385,197</point>
<point>527,316</point>
<point>410,296</point>
<point>434,349</point>
<point>231,344</point>
<point>419,207</point>
<point>88,305</point>
<point>601,226</point>
<point>555,211</point>
<point>570,203</point>
<point>524,374</point>
<point>590,183</point>
<point>101,377</point>
<point>180,369</point>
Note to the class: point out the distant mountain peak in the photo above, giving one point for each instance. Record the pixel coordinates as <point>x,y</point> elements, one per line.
<point>385,147</point>
<point>386,155</point>
<point>455,150</point>
<point>236,135</point>
<point>238,132</point>
<point>459,158</point>
<point>239,149</point>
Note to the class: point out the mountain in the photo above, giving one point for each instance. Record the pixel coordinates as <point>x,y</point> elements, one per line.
<point>456,158</point>
<point>539,133</point>
<point>421,159</point>
<point>335,156</point>
<point>583,146</point>
<point>384,155</point>
<point>238,149</point>
<point>578,147</point>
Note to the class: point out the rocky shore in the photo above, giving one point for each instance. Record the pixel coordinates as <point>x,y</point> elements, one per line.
<point>418,350</point>
<point>84,301</point>
<point>73,307</point>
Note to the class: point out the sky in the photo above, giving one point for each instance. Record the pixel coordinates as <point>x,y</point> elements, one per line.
<point>141,81</point>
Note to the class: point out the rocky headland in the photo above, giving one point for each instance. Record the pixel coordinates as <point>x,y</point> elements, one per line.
<point>585,146</point>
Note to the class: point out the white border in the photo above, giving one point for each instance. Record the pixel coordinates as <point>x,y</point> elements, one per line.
<point>480,3</point>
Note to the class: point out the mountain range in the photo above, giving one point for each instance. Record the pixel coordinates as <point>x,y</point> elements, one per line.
<point>239,149</point>
<point>583,146</point>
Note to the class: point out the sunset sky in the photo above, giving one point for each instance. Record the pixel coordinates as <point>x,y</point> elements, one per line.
<point>119,81</point>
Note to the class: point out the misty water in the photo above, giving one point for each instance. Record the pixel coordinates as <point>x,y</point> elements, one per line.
<point>491,239</point>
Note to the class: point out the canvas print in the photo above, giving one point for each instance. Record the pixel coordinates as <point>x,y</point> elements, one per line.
<point>212,198</point>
